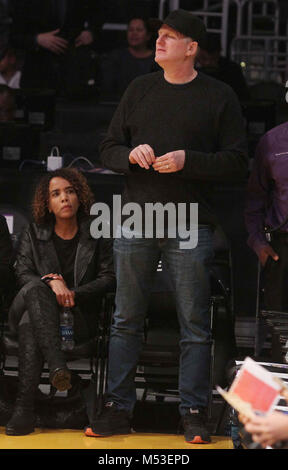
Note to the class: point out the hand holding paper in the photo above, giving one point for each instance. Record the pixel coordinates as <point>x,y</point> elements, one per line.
<point>268,430</point>
<point>254,390</point>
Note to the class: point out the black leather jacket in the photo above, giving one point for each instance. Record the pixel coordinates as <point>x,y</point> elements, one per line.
<point>6,256</point>
<point>36,256</point>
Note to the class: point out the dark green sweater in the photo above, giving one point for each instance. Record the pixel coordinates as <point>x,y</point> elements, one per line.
<point>202,117</point>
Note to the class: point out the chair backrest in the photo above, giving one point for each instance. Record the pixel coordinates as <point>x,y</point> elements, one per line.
<point>162,310</point>
<point>268,90</point>
<point>19,143</point>
<point>16,219</point>
<point>221,270</point>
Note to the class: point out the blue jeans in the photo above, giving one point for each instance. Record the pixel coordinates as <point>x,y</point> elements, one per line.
<point>136,261</point>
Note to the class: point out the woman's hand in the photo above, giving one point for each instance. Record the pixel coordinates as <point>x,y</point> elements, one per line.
<point>51,275</point>
<point>267,430</point>
<point>64,296</point>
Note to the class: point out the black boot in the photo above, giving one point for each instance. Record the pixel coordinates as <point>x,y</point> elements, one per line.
<point>29,372</point>
<point>43,312</point>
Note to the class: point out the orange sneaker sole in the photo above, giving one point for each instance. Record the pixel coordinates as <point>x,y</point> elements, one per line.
<point>198,440</point>
<point>89,433</point>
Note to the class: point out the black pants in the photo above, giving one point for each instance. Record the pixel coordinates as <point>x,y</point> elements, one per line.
<point>275,276</point>
<point>44,305</point>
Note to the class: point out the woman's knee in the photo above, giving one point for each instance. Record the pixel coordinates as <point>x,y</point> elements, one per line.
<point>37,288</point>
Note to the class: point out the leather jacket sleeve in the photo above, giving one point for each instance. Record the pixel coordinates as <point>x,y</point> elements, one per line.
<point>6,250</point>
<point>25,268</point>
<point>105,279</point>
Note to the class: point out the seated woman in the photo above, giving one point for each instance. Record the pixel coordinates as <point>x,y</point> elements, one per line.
<point>58,263</point>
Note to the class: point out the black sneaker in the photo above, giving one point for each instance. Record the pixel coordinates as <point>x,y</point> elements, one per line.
<point>194,424</point>
<point>111,421</point>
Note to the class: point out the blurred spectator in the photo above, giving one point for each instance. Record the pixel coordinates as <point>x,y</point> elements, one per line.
<point>49,31</point>
<point>222,68</point>
<point>7,104</point>
<point>121,66</point>
<point>4,27</point>
<point>266,208</point>
<point>6,270</point>
<point>9,70</point>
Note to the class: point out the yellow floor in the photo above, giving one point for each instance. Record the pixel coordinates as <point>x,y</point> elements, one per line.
<point>73,439</point>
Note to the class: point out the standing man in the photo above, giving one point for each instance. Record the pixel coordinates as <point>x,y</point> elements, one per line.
<point>267,207</point>
<point>49,32</point>
<point>174,133</point>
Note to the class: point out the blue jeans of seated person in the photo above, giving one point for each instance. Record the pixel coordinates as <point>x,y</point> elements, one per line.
<point>136,261</point>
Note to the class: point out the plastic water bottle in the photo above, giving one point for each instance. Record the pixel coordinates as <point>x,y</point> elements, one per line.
<point>67,329</point>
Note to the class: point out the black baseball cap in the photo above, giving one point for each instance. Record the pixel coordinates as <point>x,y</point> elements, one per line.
<point>188,24</point>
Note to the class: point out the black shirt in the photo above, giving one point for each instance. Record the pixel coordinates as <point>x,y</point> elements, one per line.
<point>66,252</point>
<point>202,117</point>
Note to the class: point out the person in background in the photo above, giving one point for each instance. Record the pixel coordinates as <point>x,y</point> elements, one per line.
<point>121,66</point>
<point>7,104</point>
<point>267,208</point>
<point>4,27</point>
<point>9,71</point>
<point>58,264</point>
<point>6,256</point>
<point>211,62</point>
<point>49,32</point>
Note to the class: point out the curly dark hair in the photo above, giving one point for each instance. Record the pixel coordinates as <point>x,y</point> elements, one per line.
<point>40,209</point>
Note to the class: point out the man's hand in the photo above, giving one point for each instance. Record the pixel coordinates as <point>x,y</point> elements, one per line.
<point>64,295</point>
<point>143,155</point>
<point>264,254</point>
<point>170,162</point>
<point>84,39</point>
<point>52,42</point>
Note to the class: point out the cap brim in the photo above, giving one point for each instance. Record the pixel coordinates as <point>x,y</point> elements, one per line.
<point>173,27</point>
